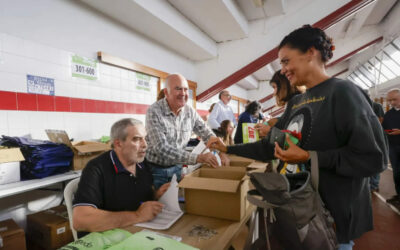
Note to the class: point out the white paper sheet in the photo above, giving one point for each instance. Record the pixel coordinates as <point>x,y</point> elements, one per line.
<point>170,197</point>
<point>201,149</point>
<point>171,211</point>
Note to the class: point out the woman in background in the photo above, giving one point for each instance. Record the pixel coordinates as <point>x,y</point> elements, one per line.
<point>225,132</point>
<point>338,128</point>
<point>250,115</point>
<point>283,92</point>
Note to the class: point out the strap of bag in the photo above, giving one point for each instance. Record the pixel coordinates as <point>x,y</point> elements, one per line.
<point>314,169</point>
<point>263,204</point>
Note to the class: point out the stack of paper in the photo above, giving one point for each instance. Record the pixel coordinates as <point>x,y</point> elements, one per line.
<point>171,211</point>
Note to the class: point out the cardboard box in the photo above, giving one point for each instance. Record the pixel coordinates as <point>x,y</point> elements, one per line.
<point>239,158</point>
<point>11,235</point>
<point>250,164</point>
<point>50,229</point>
<point>84,151</point>
<point>219,192</point>
<point>9,165</point>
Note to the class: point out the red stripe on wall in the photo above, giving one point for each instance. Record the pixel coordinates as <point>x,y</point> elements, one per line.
<point>62,103</point>
<point>202,112</point>
<point>33,102</point>
<point>26,102</point>
<point>8,100</point>
<point>266,98</point>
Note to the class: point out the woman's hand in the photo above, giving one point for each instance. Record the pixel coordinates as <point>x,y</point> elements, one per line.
<point>293,154</point>
<point>395,131</point>
<point>262,129</point>
<point>224,159</point>
<point>216,143</point>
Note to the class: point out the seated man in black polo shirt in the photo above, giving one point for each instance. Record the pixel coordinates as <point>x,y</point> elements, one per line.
<point>116,189</point>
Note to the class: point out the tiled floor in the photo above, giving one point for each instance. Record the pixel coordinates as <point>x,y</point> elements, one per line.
<point>386,233</point>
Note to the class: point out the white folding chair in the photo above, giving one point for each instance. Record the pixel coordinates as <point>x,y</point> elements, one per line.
<point>69,193</point>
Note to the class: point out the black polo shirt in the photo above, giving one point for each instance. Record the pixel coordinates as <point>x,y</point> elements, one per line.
<point>105,184</point>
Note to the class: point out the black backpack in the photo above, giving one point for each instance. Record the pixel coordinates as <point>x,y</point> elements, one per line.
<point>293,202</point>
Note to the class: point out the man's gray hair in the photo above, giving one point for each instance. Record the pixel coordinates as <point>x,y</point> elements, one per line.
<point>394,90</point>
<point>118,129</point>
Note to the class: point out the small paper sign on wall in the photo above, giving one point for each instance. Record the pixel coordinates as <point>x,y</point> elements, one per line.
<point>143,82</point>
<point>40,85</point>
<point>83,67</point>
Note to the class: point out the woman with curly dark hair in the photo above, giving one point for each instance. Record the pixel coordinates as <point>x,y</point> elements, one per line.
<point>250,115</point>
<point>338,130</point>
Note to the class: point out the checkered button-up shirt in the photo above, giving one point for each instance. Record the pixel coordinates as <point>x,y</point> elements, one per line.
<point>168,134</point>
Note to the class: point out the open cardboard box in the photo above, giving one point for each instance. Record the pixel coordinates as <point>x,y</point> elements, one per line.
<point>219,192</point>
<point>243,162</point>
<point>249,164</point>
<point>9,165</point>
<point>84,151</point>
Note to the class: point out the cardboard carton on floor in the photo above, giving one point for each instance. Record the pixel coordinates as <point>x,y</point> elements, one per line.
<point>49,229</point>
<point>9,165</point>
<point>84,151</point>
<point>11,235</point>
<point>219,192</point>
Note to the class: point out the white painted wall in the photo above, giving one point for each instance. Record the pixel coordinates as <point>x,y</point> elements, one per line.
<point>38,37</point>
<point>72,26</point>
<point>263,90</point>
<point>20,57</point>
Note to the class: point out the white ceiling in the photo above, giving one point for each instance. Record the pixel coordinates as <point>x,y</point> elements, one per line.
<point>223,21</point>
<point>195,29</point>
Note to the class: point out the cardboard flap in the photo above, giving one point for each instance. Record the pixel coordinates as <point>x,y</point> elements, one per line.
<point>239,163</point>
<point>221,185</point>
<point>91,147</point>
<point>239,158</point>
<point>258,165</point>
<point>11,155</point>
<point>9,227</point>
<point>58,136</point>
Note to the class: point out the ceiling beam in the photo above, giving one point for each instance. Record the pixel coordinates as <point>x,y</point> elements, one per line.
<point>348,55</point>
<point>266,98</point>
<point>265,110</point>
<point>277,112</point>
<point>341,72</point>
<point>341,13</point>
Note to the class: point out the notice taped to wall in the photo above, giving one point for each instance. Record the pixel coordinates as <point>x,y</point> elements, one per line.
<point>40,85</point>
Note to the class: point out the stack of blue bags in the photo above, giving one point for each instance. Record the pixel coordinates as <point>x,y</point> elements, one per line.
<point>42,158</point>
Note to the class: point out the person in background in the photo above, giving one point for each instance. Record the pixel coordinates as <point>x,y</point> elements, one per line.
<point>170,123</point>
<point>374,180</point>
<point>116,188</point>
<point>391,124</point>
<point>221,111</point>
<point>283,92</point>
<point>338,128</point>
<point>205,117</point>
<point>161,94</point>
<point>250,115</point>
<point>225,132</point>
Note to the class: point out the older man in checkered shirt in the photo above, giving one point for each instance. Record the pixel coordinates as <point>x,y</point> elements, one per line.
<point>169,124</point>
